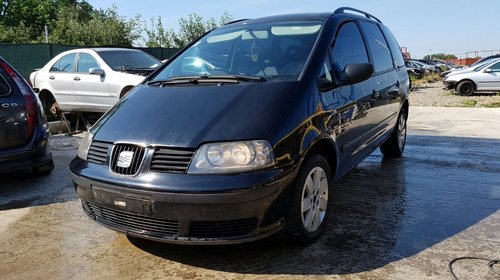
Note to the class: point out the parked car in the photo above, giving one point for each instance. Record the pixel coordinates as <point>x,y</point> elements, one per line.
<point>485,77</point>
<point>244,132</point>
<point>423,66</point>
<point>90,80</point>
<point>23,126</point>
<point>471,68</point>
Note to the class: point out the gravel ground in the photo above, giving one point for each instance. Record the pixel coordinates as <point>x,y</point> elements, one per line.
<point>433,94</point>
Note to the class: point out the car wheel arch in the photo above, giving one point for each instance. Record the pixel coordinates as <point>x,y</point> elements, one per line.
<point>125,90</point>
<point>326,148</point>
<point>47,98</point>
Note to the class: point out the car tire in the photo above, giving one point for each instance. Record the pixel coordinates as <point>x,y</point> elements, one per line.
<point>44,170</point>
<point>310,204</point>
<point>466,88</point>
<point>394,146</point>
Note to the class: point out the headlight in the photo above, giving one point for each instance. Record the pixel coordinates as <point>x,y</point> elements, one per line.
<point>83,148</point>
<point>232,157</point>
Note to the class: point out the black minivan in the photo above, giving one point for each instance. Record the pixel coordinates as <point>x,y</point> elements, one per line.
<point>243,133</point>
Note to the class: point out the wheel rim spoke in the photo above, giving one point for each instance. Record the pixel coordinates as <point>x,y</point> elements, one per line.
<point>306,204</point>
<point>323,203</point>
<point>309,219</point>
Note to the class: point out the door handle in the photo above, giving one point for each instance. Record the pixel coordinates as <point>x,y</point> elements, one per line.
<point>76,78</point>
<point>52,77</point>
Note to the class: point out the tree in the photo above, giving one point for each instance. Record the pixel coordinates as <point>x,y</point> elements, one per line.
<point>104,27</point>
<point>73,22</point>
<point>158,35</point>
<point>440,56</point>
<point>190,28</point>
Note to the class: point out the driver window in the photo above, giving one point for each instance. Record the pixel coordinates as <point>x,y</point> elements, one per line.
<point>348,47</point>
<point>85,62</point>
<point>495,67</point>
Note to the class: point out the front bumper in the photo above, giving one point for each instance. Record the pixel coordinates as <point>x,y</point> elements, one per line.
<point>449,84</point>
<point>228,215</point>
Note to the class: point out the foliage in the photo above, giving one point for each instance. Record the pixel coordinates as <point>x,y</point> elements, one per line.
<point>440,56</point>
<point>469,103</point>
<point>76,22</point>
<point>102,27</point>
<point>190,28</point>
<point>73,22</point>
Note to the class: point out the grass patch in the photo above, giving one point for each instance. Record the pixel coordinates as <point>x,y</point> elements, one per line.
<point>492,105</point>
<point>469,103</point>
<point>449,93</point>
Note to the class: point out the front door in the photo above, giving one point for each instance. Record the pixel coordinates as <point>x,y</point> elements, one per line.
<point>91,90</point>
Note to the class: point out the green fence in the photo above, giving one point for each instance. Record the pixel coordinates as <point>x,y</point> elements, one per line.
<point>26,57</point>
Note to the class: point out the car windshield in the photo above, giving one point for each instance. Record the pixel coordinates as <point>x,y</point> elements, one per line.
<point>270,50</point>
<point>123,60</point>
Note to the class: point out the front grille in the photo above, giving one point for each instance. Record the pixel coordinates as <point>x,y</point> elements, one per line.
<point>173,160</point>
<point>134,223</point>
<point>98,152</point>
<point>222,228</point>
<point>132,164</point>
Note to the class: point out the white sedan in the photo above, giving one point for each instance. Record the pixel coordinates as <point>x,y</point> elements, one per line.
<point>485,77</point>
<point>91,79</point>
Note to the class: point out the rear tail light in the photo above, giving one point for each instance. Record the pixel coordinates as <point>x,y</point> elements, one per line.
<point>28,96</point>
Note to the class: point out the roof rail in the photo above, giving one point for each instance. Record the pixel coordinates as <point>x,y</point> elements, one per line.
<point>235,21</point>
<point>343,9</point>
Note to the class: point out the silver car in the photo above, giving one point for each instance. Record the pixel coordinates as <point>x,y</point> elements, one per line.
<point>92,79</point>
<point>483,78</point>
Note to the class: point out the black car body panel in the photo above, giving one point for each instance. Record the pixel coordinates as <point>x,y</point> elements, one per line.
<point>171,119</point>
<point>23,126</point>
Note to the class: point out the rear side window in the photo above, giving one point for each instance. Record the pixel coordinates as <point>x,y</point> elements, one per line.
<point>394,46</point>
<point>348,47</point>
<point>85,62</point>
<point>65,64</point>
<point>379,49</point>
<point>4,86</point>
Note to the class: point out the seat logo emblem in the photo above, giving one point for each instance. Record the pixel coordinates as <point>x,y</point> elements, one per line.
<point>125,159</point>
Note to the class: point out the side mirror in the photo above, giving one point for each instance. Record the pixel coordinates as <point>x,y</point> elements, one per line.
<point>355,73</point>
<point>96,71</point>
<point>325,85</point>
<point>488,70</point>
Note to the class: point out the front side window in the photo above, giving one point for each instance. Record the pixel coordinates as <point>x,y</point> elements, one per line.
<point>379,49</point>
<point>65,64</point>
<point>495,67</point>
<point>85,62</point>
<point>348,47</point>
<point>272,50</point>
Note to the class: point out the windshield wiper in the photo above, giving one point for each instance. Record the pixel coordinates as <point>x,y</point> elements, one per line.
<point>207,79</point>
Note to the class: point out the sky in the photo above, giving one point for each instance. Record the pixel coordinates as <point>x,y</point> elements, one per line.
<point>458,27</point>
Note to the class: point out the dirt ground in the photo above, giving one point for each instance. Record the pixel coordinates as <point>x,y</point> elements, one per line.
<point>392,219</point>
<point>433,94</point>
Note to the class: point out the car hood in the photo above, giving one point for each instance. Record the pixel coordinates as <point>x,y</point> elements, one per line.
<point>187,116</point>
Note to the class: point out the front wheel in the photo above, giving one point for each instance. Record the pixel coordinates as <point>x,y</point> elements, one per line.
<point>310,205</point>
<point>466,88</point>
<point>395,145</point>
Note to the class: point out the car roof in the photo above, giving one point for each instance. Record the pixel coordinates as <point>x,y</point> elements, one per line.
<point>341,12</point>
<point>104,49</point>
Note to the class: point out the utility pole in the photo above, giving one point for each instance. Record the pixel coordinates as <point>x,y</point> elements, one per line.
<point>46,34</point>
